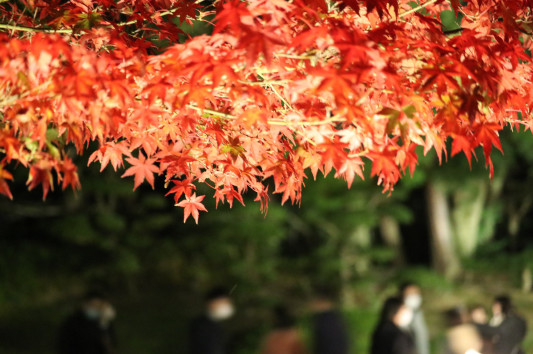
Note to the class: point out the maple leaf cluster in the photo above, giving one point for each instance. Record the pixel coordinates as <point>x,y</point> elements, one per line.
<point>279,88</point>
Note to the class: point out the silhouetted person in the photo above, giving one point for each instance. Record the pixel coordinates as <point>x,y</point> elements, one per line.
<point>461,336</point>
<point>285,337</point>
<point>412,297</point>
<point>206,335</point>
<point>330,335</point>
<point>89,330</point>
<point>391,335</point>
<point>480,319</point>
<point>510,328</point>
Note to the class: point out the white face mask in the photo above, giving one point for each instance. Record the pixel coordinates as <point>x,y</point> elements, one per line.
<point>107,316</point>
<point>413,301</point>
<point>405,319</point>
<point>91,313</point>
<point>496,320</point>
<point>222,312</point>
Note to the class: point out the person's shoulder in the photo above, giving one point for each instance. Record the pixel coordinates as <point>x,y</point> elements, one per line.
<point>387,328</point>
<point>332,314</point>
<point>516,319</point>
<point>201,321</point>
<point>329,319</point>
<point>521,318</point>
<point>73,322</point>
<point>76,316</point>
<point>521,321</point>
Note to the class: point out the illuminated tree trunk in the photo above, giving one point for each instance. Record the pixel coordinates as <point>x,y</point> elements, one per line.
<point>390,231</point>
<point>467,215</point>
<point>515,217</point>
<point>445,259</point>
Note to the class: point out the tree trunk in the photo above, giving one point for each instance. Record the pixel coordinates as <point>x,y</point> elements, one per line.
<point>467,214</point>
<point>445,260</point>
<point>516,215</point>
<point>527,280</point>
<point>346,271</point>
<point>353,262</point>
<point>390,231</point>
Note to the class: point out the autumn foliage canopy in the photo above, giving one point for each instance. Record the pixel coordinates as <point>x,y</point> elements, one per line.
<point>280,88</point>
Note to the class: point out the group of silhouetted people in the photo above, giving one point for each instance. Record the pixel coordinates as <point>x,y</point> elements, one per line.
<point>330,335</point>
<point>401,328</point>
<point>473,330</point>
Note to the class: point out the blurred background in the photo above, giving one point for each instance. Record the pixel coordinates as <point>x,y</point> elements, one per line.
<point>463,237</point>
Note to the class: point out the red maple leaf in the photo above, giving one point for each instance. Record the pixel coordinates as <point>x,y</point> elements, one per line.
<point>321,5</point>
<point>110,152</point>
<point>4,188</point>
<point>455,6</point>
<point>142,168</point>
<point>192,205</point>
<point>385,167</point>
<point>462,143</point>
<point>231,16</point>
<point>354,4</point>
<point>381,6</point>
<point>187,10</point>
<point>407,158</point>
<point>41,174</point>
<point>229,193</point>
<point>70,174</point>
<point>183,187</point>
<point>350,168</point>
<point>196,110</point>
<point>487,136</point>
<point>308,38</point>
<point>334,155</point>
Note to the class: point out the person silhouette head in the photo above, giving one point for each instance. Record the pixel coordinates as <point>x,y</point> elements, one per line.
<point>219,304</point>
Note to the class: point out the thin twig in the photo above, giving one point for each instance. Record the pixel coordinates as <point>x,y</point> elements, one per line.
<point>415,9</point>
<point>280,96</point>
<point>67,30</point>
<point>212,112</point>
<point>271,121</point>
<point>263,83</point>
<point>306,124</point>
<point>31,29</point>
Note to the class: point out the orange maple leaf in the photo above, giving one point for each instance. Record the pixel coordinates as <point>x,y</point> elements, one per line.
<point>41,174</point>
<point>107,153</point>
<point>192,205</point>
<point>70,174</point>
<point>4,188</point>
<point>182,187</point>
<point>142,168</point>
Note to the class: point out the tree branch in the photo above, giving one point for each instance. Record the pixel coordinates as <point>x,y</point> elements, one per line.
<point>68,30</point>
<point>415,9</point>
<point>212,112</point>
<point>334,119</point>
<point>31,29</point>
